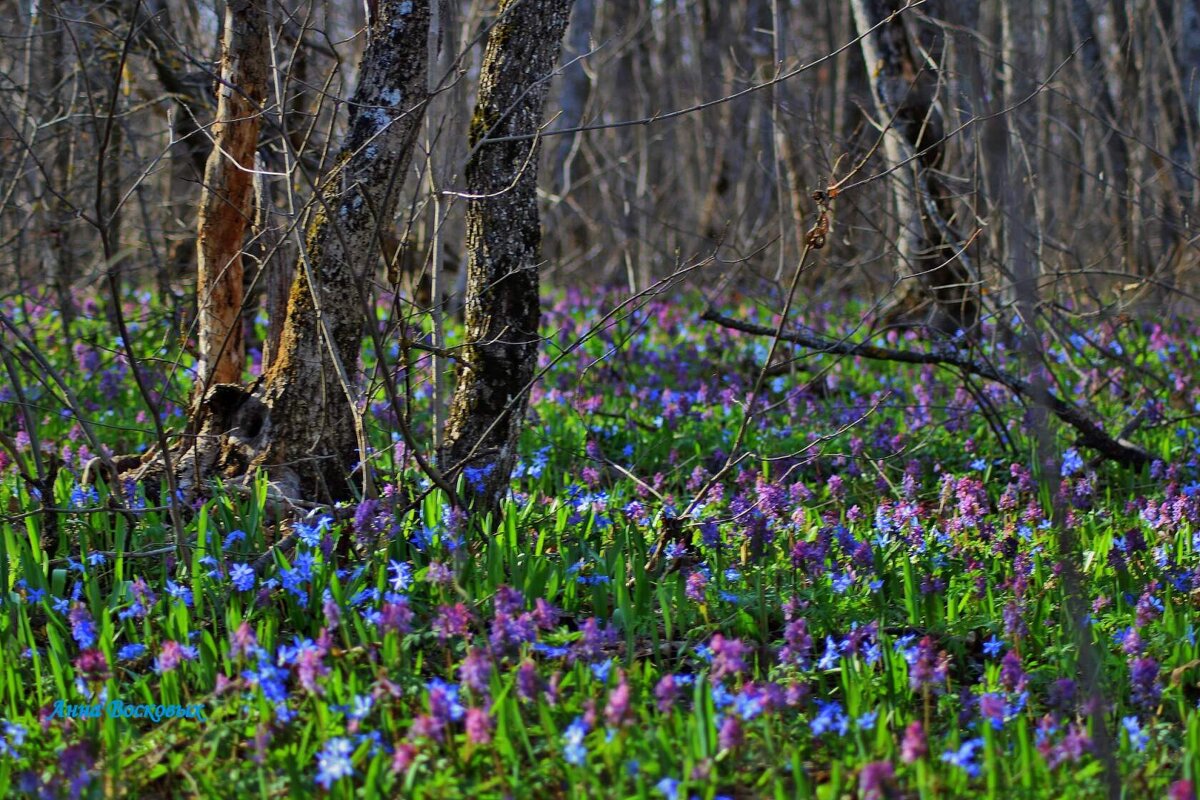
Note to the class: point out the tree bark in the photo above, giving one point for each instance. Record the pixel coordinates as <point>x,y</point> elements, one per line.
<point>1116,152</point>
<point>503,249</point>
<point>299,422</point>
<point>226,199</point>
<point>904,87</point>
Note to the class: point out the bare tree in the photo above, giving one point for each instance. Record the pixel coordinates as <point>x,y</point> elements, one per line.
<point>226,199</point>
<point>503,246</point>
<point>300,421</point>
<point>905,82</point>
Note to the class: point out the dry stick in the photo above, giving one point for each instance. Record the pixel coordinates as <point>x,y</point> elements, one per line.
<point>1092,434</point>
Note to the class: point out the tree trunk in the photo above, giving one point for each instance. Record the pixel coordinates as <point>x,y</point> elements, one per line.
<point>226,199</point>
<point>904,87</point>
<point>503,249</point>
<point>1117,174</point>
<point>300,421</point>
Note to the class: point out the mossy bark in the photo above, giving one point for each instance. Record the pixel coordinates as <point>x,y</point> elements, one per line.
<point>504,240</point>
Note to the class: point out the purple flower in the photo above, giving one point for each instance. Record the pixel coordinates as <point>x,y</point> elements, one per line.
<point>242,640</point>
<point>311,667</point>
<point>595,640</point>
<point>528,683</point>
<point>452,621</point>
<point>616,710</point>
<point>798,643</point>
<point>730,734</point>
<point>913,747</point>
<point>667,693</point>
<point>1012,676</point>
<point>396,617</point>
<point>92,665</point>
<point>171,655</point>
<point>444,704</point>
<point>875,779</point>
<point>479,726</point>
<point>476,671</point>
<point>1143,675</point>
<point>991,708</point>
<point>508,601</point>
<point>728,657</point>
<point>1181,790</point>
<point>1061,695</point>
<point>926,666</point>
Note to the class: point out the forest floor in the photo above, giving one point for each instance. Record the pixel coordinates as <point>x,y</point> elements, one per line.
<point>874,604</point>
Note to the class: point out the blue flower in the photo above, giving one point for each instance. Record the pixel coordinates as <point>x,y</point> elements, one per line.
<point>401,575</point>
<point>13,738</point>
<point>234,536</point>
<point>602,669</point>
<point>964,757</point>
<point>242,577</point>
<point>1137,737</point>
<point>1072,463</point>
<point>574,750</point>
<point>180,592</point>
<point>830,659</point>
<point>333,762</point>
<point>477,475</point>
<point>829,718</point>
<point>993,646</point>
<point>84,496</point>
<point>669,788</point>
<point>131,651</point>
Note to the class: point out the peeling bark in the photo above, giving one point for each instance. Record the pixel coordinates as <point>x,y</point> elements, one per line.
<point>503,249</point>
<point>227,196</point>
<point>299,421</point>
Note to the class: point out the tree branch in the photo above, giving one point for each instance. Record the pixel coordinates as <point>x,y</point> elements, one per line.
<point>1091,432</point>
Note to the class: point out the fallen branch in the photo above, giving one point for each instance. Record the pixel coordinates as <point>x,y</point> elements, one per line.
<point>1091,433</point>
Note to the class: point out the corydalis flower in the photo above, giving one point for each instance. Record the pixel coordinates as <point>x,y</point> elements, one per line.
<point>475,671</point>
<point>616,710</point>
<point>1012,676</point>
<point>171,655</point>
<point>875,780</point>
<point>730,735</point>
<point>728,657</point>
<point>479,726</point>
<point>913,747</point>
<point>927,666</point>
<point>92,665</point>
<point>667,693</point>
<point>1143,675</point>
<point>452,621</point>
